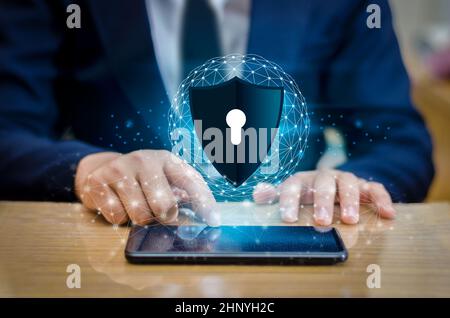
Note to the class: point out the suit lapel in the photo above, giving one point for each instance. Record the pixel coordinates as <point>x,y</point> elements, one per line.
<point>125,33</point>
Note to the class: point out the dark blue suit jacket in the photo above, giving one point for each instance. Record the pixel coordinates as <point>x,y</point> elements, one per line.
<point>102,81</point>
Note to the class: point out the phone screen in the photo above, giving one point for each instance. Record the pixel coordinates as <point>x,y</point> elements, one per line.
<point>189,240</point>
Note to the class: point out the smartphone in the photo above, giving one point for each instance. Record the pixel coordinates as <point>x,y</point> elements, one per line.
<point>197,244</point>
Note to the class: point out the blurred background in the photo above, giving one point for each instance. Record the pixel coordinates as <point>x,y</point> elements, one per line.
<point>423,30</point>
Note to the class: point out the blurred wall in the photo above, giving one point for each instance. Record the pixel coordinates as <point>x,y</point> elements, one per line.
<point>415,21</point>
<point>412,17</point>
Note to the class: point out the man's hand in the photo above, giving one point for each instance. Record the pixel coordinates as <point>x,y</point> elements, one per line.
<point>143,186</point>
<point>322,189</point>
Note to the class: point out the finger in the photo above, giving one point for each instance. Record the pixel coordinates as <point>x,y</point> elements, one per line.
<point>265,193</point>
<point>364,194</point>
<point>159,243</point>
<point>132,198</point>
<point>112,209</point>
<point>97,195</point>
<point>324,197</point>
<point>307,179</point>
<point>382,200</point>
<point>180,195</point>
<point>348,191</point>
<point>290,191</point>
<point>159,195</point>
<point>187,178</point>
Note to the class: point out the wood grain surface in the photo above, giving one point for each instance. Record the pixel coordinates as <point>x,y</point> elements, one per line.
<point>39,240</point>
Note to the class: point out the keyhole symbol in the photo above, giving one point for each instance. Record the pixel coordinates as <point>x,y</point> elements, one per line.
<point>236,120</point>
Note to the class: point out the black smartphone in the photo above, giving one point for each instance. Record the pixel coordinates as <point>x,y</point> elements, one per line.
<point>156,244</point>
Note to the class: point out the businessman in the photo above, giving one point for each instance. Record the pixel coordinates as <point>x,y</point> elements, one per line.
<point>76,103</point>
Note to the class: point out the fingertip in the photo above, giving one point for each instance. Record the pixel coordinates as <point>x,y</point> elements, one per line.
<point>180,195</point>
<point>170,216</point>
<point>289,219</point>
<point>323,222</point>
<point>350,216</point>
<point>289,215</point>
<point>262,186</point>
<point>323,217</point>
<point>112,219</point>
<point>142,222</point>
<point>264,193</point>
<point>387,212</point>
<point>164,211</point>
<point>350,219</point>
<point>122,220</point>
<point>214,219</point>
<point>208,211</point>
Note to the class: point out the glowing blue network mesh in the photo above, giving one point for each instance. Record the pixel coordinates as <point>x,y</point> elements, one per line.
<point>288,147</point>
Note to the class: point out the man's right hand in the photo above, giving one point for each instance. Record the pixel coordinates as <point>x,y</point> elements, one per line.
<point>143,186</point>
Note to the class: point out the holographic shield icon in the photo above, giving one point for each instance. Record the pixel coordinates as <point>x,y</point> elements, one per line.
<point>236,123</point>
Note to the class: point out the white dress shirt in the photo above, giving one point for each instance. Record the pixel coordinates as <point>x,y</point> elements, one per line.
<point>165,18</point>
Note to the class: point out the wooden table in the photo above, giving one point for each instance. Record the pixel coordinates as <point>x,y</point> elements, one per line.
<point>433,100</point>
<point>39,240</point>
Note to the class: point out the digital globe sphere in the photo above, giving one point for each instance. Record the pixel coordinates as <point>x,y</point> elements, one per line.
<point>288,146</point>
